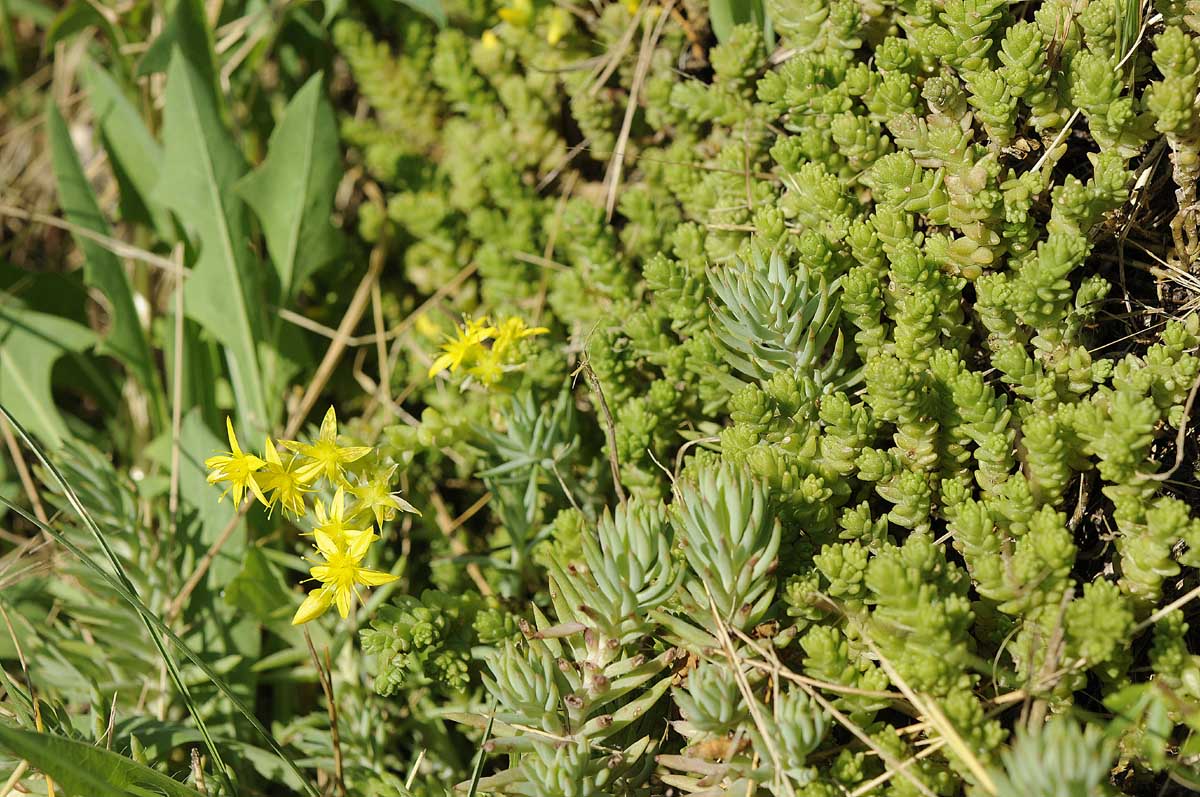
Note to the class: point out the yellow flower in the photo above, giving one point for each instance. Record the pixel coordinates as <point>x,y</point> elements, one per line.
<point>375,496</point>
<point>517,13</point>
<point>558,26</point>
<point>424,324</point>
<point>333,522</point>
<point>632,6</point>
<point>465,347</point>
<point>282,482</point>
<point>489,368</point>
<point>340,577</point>
<point>235,467</point>
<point>490,41</point>
<point>325,457</point>
<point>511,330</point>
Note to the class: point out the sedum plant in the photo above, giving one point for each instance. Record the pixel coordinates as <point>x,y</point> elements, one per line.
<point>801,399</point>
<point>856,417</point>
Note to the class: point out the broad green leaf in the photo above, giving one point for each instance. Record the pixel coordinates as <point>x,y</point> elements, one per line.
<point>201,166</point>
<point>81,769</point>
<point>102,269</point>
<point>76,17</point>
<point>30,344</point>
<point>158,55</point>
<point>259,589</point>
<point>133,153</point>
<point>430,8</point>
<point>292,191</point>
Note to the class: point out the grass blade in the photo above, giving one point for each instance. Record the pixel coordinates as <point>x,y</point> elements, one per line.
<point>477,772</point>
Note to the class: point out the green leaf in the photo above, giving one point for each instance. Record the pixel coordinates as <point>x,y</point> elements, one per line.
<point>30,344</point>
<point>725,15</point>
<point>292,191</point>
<point>40,14</point>
<point>135,156</point>
<point>102,269</point>
<point>78,16</point>
<point>201,166</point>
<point>430,8</point>
<point>81,769</point>
<point>259,589</point>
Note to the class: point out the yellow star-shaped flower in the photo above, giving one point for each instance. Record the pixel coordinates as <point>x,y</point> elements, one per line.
<point>375,495</point>
<point>463,348</point>
<point>235,467</point>
<point>488,368</point>
<point>283,482</point>
<point>333,523</point>
<point>325,457</point>
<point>340,575</point>
<point>512,330</point>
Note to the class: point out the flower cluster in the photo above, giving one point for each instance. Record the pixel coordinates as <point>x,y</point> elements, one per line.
<point>484,350</point>
<point>342,533</point>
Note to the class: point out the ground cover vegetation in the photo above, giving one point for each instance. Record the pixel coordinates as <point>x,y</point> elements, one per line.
<point>600,398</point>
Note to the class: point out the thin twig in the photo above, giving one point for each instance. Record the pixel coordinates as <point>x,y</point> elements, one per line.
<point>933,712</point>
<point>618,51</point>
<point>198,772</point>
<point>612,178</point>
<point>889,759</point>
<point>10,785</point>
<point>326,679</point>
<point>14,450</point>
<point>1180,437</point>
<point>460,549</point>
<point>117,247</point>
<point>176,401</point>
<point>747,694</point>
<point>1182,600</point>
<point>381,352</point>
<point>888,774</point>
<point>610,428</point>
<point>1058,139</point>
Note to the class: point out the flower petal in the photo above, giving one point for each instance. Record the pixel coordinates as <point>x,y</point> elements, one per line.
<point>343,602</point>
<point>353,453</point>
<point>405,505</point>
<point>357,543</point>
<point>270,454</point>
<point>217,461</point>
<point>373,578</point>
<point>252,483</point>
<point>314,606</point>
<point>326,544</point>
<point>329,425</point>
<point>233,443</point>
<point>440,364</point>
